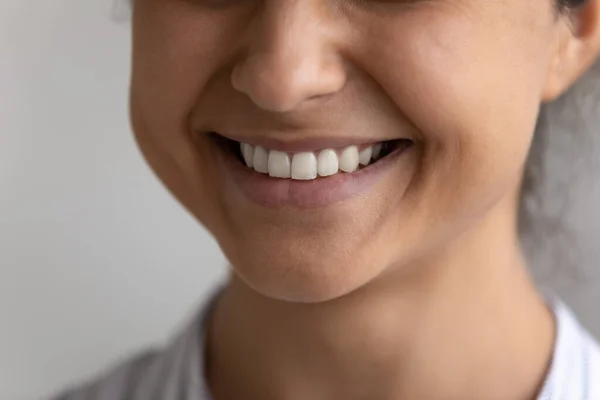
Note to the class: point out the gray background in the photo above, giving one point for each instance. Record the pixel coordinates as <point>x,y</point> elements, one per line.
<point>87,234</point>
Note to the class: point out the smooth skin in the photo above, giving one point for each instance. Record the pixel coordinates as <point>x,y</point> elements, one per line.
<point>416,288</point>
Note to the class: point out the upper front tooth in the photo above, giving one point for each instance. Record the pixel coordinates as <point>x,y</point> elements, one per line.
<point>349,159</point>
<point>279,164</point>
<point>261,160</point>
<point>364,157</point>
<point>248,153</point>
<point>327,162</point>
<point>304,166</point>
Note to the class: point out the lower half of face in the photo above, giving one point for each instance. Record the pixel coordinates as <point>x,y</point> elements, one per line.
<point>319,170</point>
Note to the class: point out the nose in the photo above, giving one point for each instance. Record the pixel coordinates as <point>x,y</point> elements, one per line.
<point>290,57</point>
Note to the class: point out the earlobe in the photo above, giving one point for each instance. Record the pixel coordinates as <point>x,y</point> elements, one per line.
<point>578,46</point>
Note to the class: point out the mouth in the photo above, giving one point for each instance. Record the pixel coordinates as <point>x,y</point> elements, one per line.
<point>318,164</point>
<point>275,174</point>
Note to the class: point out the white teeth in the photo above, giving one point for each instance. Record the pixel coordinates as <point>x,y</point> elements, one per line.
<point>349,159</point>
<point>376,151</point>
<point>327,162</point>
<point>307,165</point>
<point>261,160</point>
<point>248,153</point>
<point>364,157</point>
<point>279,164</point>
<point>304,166</point>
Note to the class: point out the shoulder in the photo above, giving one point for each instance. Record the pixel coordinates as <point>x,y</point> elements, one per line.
<point>121,382</point>
<point>575,369</point>
<point>175,372</point>
<point>591,353</point>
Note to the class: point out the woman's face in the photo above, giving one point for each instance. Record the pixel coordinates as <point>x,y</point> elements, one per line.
<point>454,84</point>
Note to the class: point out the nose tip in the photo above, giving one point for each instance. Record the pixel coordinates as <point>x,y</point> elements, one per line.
<point>280,85</point>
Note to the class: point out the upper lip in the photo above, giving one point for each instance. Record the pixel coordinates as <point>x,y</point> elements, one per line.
<point>292,143</point>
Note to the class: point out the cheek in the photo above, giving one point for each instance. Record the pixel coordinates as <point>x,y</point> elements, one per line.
<point>177,47</point>
<point>473,96</point>
<point>175,52</point>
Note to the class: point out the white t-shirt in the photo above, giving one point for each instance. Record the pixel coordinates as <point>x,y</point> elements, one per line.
<point>575,370</point>
<point>176,373</point>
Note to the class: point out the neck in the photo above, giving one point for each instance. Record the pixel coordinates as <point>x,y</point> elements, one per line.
<point>461,324</point>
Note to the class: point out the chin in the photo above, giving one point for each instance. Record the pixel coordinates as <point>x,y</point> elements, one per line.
<point>301,276</point>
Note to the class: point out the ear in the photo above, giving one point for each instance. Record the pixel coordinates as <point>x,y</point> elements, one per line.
<point>578,46</point>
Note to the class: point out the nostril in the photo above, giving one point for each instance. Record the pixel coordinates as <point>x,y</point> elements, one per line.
<point>266,91</point>
<point>236,79</point>
<point>280,81</point>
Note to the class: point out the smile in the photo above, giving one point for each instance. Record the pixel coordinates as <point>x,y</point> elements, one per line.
<point>275,177</point>
<point>310,165</point>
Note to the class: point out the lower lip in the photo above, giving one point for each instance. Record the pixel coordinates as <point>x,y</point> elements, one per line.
<point>278,192</point>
